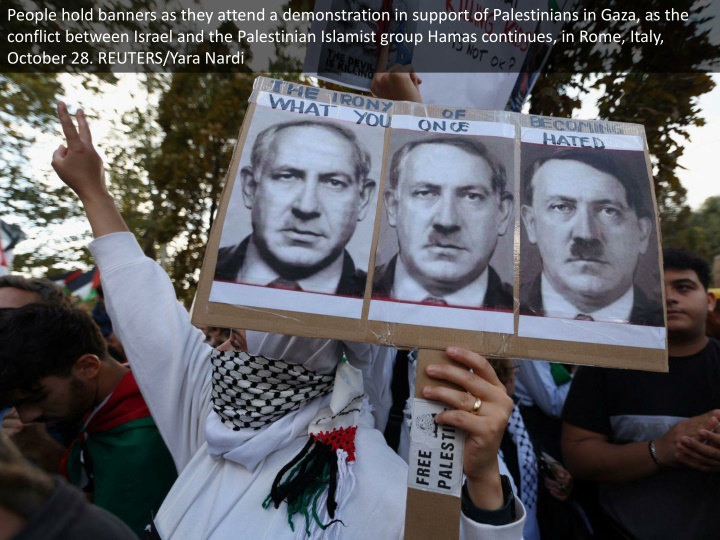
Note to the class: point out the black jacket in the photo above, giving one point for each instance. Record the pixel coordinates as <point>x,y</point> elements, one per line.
<point>230,260</point>
<point>645,311</point>
<point>499,295</point>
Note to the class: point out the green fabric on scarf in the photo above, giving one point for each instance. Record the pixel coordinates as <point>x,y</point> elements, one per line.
<point>560,374</point>
<point>133,446</point>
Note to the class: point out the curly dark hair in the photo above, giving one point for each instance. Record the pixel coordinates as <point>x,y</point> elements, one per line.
<point>504,367</point>
<point>40,340</point>
<point>50,292</point>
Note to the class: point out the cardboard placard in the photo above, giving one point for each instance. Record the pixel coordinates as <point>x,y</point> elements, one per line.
<point>329,243</point>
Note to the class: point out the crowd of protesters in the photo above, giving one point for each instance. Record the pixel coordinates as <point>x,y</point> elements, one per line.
<point>155,424</point>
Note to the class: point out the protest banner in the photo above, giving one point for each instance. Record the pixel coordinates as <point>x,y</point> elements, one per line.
<point>302,240</point>
<point>451,45</point>
<point>412,225</point>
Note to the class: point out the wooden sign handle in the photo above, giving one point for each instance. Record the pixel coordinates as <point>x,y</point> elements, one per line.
<point>428,515</point>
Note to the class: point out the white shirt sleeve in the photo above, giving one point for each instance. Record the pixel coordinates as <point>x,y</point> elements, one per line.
<point>376,363</point>
<point>472,530</point>
<point>167,354</point>
<point>534,385</point>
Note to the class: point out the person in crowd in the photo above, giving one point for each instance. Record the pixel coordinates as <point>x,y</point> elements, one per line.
<point>100,314</point>
<point>216,336</point>
<point>545,486</point>
<point>232,455</point>
<point>41,444</point>
<point>102,319</point>
<point>590,236</point>
<point>712,327</point>
<point>307,187</point>
<point>54,367</point>
<point>650,439</point>
<point>544,385</point>
<point>519,454</point>
<point>541,388</point>
<point>442,190</point>
<point>17,291</point>
<point>398,82</point>
<point>36,506</point>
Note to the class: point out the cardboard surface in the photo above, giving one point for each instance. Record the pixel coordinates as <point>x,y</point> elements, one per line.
<point>626,354</point>
<point>431,517</point>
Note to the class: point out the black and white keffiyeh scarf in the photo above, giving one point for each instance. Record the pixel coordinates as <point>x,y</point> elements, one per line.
<point>527,461</point>
<point>249,392</point>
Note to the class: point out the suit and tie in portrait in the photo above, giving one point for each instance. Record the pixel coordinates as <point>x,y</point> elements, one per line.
<point>306,188</point>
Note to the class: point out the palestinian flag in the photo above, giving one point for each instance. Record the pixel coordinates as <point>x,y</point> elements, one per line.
<point>83,284</point>
<point>120,460</point>
<point>10,236</point>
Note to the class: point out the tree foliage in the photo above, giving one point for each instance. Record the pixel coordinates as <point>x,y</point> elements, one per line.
<point>706,221</point>
<point>697,231</point>
<point>168,178</point>
<point>200,116</point>
<point>27,104</point>
<point>27,109</point>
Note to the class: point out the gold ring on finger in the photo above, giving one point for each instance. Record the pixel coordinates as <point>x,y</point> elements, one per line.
<point>476,406</point>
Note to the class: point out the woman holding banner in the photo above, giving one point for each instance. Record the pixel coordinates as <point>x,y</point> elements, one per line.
<point>249,432</point>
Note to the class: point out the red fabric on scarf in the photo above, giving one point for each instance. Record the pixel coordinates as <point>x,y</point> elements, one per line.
<point>339,438</point>
<point>124,405</point>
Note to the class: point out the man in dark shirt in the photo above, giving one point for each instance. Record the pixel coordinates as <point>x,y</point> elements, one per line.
<point>647,437</point>
<point>55,367</point>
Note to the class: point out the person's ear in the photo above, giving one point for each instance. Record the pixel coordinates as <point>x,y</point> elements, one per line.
<point>712,299</point>
<point>391,205</point>
<point>249,186</point>
<point>506,207</point>
<point>86,367</point>
<point>645,226</point>
<point>367,190</point>
<point>528,216</point>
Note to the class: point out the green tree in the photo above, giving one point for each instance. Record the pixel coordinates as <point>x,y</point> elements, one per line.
<point>27,104</point>
<point>27,109</point>
<point>200,116</point>
<point>706,221</point>
<point>134,190</point>
<point>684,233</point>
